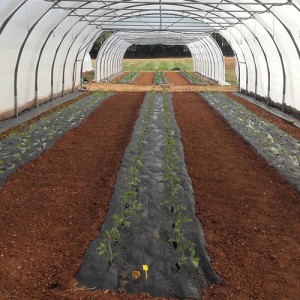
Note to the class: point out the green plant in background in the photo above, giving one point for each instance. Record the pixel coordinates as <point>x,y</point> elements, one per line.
<point>193,79</point>
<point>129,77</point>
<point>100,94</point>
<point>160,78</point>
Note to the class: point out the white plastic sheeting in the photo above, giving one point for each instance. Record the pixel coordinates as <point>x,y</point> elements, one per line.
<point>43,43</point>
<point>207,55</point>
<point>87,63</point>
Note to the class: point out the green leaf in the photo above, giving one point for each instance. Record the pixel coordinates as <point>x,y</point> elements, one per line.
<point>195,261</point>
<point>102,249</point>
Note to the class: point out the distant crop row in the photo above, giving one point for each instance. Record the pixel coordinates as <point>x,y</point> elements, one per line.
<point>160,78</point>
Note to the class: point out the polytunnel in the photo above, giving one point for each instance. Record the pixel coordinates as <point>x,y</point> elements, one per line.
<point>131,170</point>
<point>43,44</point>
<point>207,55</point>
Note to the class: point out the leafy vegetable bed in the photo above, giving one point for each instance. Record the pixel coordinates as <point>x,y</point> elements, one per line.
<point>129,77</point>
<point>193,79</point>
<point>160,78</point>
<point>280,149</point>
<point>151,240</point>
<point>22,146</point>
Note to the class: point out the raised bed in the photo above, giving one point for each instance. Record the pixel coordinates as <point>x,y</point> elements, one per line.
<point>129,77</point>
<point>193,79</point>
<point>21,146</point>
<point>279,148</point>
<point>160,78</point>
<point>151,225</point>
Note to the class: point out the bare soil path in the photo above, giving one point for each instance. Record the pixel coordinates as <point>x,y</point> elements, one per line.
<point>250,215</point>
<point>144,78</point>
<point>159,88</point>
<point>53,206</point>
<point>176,78</point>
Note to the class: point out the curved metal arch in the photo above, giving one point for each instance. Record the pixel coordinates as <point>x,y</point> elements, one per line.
<point>188,5</point>
<point>210,58</point>
<point>266,31</point>
<point>204,4</point>
<point>192,50</point>
<point>260,20</point>
<point>121,49</point>
<point>239,62</point>
<point>279,52</point>
<point>242,6</point>
<point>202,56</point>
<point>67,55</point>
<point>105,60</point>
<point>109,56</point>
<point>266,60</point>
<point>183,5</point>
<point>54,60</point>
<point>16,109</point>
<point>6,21</point>
<point>44,45</point>
<point>285,27</point>
<point>41,53</point>
<point>254,61</point>
<point>280,55</point>
<point>139,5</point>
<point>216,47</point>
<point>83,48</point>
<point>109,41</point>
<point>88,48</point>
<point>118,56</point>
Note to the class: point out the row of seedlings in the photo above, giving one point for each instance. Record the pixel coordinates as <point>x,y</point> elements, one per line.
<point>193,79</point>
<point>129,77</point>
<point>279,148</point>
<point>160,78</point>
<point>21,146</point>
<point>184,246</point>
<point>130,205</point>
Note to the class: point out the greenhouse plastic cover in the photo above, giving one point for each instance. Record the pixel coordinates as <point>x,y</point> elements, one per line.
<point>43,44</point>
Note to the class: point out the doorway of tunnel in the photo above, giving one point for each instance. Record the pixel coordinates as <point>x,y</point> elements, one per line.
<point>161,57</point>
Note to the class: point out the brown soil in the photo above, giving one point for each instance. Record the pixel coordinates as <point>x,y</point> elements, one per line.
<point>53,206</point>
<point>176,78</point>
<point>250,215</point>
<point>160,88</point>
<point>284,125</point>
<point>144,78</point>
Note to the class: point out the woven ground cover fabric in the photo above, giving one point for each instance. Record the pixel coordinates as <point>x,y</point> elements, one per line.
<point>276,146</point>
<point>22,146</point>
<point>147,241</point>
